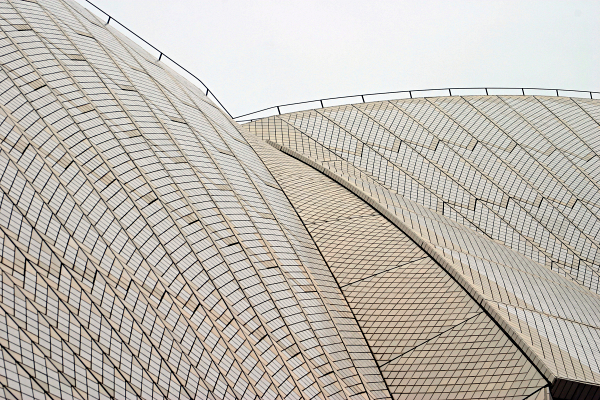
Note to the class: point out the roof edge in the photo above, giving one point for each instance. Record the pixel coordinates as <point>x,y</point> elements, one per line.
<point>520,92</point>
<point>513,336</point>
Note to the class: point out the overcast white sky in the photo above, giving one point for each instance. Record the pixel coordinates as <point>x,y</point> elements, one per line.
<point>256,54</point>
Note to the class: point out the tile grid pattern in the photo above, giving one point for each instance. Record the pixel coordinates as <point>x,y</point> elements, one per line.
<point>428,336</point>
<point>502,186</point>
<point>146,251</point>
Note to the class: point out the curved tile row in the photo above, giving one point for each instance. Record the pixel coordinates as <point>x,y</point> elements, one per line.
<point>504,187</point>
<point>146,250</point>
<point>427,334</point>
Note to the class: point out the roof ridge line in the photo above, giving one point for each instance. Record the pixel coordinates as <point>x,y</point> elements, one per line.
<point>443,262</point>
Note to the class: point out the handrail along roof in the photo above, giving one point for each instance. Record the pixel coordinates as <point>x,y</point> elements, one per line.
<point>410,92</point>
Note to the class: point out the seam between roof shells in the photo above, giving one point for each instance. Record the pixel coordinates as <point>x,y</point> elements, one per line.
<point>485,305</point>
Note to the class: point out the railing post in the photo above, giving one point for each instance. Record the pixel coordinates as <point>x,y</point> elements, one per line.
<point>145,41</point>
<point>159,57</point>
<point>362,96</point>
<point>207,91</point>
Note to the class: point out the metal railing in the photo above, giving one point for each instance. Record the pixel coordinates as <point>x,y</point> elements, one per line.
<point>410,94</point>
<point>161,54</point>
<point>321,101</point>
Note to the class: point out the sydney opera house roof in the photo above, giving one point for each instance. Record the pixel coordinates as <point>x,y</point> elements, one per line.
<point>152,247</point>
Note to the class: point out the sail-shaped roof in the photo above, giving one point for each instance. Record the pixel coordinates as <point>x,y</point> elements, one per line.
<point>501,189</point>
<point>151,247</point>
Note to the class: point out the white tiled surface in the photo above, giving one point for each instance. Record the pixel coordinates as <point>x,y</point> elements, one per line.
<point>505,187</point>
<point>146,250</point>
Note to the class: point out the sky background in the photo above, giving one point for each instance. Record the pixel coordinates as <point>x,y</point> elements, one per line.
<point>256,54</point>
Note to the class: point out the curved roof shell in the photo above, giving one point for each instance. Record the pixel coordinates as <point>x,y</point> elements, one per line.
<point>502,189</point>
<point>153,248</point>
<point>146,250</point>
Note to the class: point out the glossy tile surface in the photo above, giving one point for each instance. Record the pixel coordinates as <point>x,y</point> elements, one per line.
<point>145,249</point>
<point>150,247</point>
<point>428,336</point>
<point>504,188</point>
